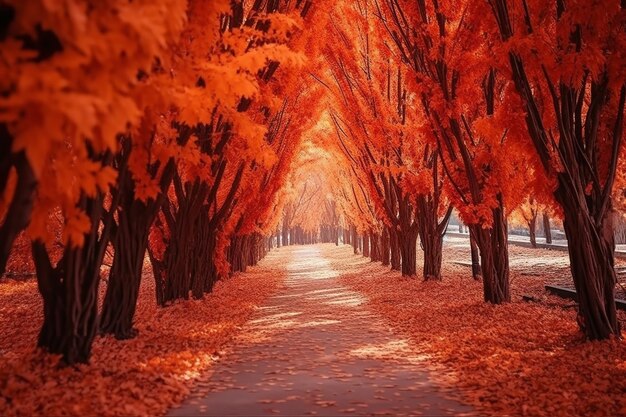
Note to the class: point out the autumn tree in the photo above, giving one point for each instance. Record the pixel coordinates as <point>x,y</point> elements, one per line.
<point>77,76</point>
<point>403,174</point>
<point>566,59</point>
<point>469,109</point>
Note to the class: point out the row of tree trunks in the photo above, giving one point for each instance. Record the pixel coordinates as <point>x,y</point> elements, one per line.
<point>238,258</point>
<point>247,250</point>
<point>329,234</point>
<point>299,236</point>
<point>346,237</point>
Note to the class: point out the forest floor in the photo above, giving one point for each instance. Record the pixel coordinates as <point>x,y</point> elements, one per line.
<point>319,330</point>
<point>517,359</point>
<point>531,268</point>
<point>144,376</point>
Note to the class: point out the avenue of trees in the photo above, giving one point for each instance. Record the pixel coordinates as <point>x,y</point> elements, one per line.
<point>203,133</point>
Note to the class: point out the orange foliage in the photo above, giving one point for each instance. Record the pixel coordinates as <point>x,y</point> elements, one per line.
<point>71,73</point>
<point>235,118</point>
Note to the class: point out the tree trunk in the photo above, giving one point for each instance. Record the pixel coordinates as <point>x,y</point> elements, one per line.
<point>532,230</point>
<point>374,247</point>
<point>547,232</point>
<point>70,289</point>
<point>408,250</point>
<point>384,246</point>
<point>130,242</point>
<point>494,257</point>
<point>591,247</point>
<point>432,244</point>
<point>120,300</point>
<point>475,256</point>
<point>18,214</point>
<point>584,187</point>
<point>188,231</point>
<point>431,233</point>
<point>366,244</point>
<point>285,234</point>
<point>395,250</point>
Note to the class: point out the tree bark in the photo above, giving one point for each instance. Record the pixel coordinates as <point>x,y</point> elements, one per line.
<point>395,250</point>
<point>366,244</point>
<point>120,300</point>
<point>547,232</point>
<point>591,247</point>
<point>374,247</point>
<point>130,242</point>
<point>532,229</point>
<point>408,250</point>
<point>475,256</point>
<point>18,214</point>
<point>432,244</point>
<point>384,246</point>
<point>431,233</point>
<point>70,289</point>
<point>285,234</point>
<point>494,257</point>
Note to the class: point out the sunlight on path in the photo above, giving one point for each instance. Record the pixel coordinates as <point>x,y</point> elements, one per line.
<point>315,349</point>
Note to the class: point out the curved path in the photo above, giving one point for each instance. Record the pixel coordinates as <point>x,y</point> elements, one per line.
<point>316,349</point>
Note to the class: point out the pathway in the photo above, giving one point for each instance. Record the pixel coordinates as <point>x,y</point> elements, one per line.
<point>316,349</point>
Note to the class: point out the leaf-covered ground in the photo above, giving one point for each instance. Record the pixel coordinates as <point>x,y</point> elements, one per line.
<point>531,269</point>
<point>521,358</point>
<point>143,376</point>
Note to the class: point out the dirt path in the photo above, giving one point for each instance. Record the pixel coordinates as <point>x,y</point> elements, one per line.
<point>315,349</point>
